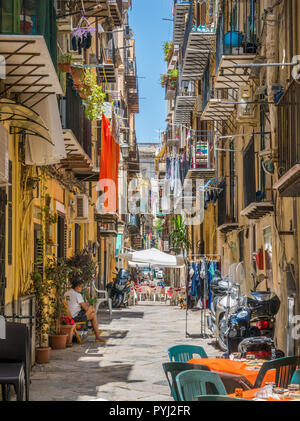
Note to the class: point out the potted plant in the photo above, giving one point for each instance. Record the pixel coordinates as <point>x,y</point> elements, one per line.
<point>179,236</point>
<point>173,74</point>
<point>82,266</point>
<point>64,63</point>
<point>93,95</point>
<point>41,289</point>
<point>168,49</point>
<point>163,79</point>
<point>67,326</point>
<point>57,273</point>
<point>77,76</point>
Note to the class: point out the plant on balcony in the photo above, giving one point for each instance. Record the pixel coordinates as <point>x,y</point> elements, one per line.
<point>163,79</point>
<point>168,49</point>
<point>64,63</point>
<point>82,267</point>
<point>179,236</point>
<point>94,97</point>
<point>172,77</point>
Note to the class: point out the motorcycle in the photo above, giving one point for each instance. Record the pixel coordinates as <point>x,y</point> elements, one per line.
<point>226,297</point>
<point>119,290</point>
<point>254,318</point>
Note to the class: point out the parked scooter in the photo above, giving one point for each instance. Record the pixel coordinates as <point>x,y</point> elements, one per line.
<point>255,318</point>
<point>119,290</point>
<point>226,297</point>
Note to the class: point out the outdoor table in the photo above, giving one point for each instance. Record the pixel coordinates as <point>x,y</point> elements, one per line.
<point>234,374</point>
<point>250,394</point>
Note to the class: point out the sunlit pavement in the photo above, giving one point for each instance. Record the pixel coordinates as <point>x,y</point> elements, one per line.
<point>129,366</point>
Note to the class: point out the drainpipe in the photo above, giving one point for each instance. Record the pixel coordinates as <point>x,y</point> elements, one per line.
<point>15,223</point>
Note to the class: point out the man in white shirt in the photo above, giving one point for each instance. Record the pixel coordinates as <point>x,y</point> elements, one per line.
<point>80,310</point>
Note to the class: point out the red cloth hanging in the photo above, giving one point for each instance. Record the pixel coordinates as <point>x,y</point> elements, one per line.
<point>109,162</point>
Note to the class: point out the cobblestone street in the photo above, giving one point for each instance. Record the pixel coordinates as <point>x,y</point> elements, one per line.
<point>129,366</point>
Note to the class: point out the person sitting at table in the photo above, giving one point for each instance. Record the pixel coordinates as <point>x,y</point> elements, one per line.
<point>80,310</point>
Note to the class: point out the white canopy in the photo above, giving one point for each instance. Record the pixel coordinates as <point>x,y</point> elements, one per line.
<point>154,257</point>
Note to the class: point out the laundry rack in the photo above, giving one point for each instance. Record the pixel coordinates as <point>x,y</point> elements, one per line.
<point>203,323</point>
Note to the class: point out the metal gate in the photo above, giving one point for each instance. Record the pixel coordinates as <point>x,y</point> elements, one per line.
<point>2,249</point>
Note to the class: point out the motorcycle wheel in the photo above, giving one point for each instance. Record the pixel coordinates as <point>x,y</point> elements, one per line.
<point>222,342</point>
<point>116,301</point>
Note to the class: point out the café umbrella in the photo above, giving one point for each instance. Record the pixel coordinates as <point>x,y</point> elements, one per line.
<point>154,257</point>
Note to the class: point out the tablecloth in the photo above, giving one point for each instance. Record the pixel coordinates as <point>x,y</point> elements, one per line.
<point>239,370</point>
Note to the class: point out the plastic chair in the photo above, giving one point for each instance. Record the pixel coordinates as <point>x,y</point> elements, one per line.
<point>183,353</point>
<point>216,398</point>
<point>15,360</point>
<point>284,367</point>
<point>102,297</point>
<point>193,383</point>
<point>173,369</point>
<point>296,377</point>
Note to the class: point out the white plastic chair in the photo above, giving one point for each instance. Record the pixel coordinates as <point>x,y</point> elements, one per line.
<point>102,297</point>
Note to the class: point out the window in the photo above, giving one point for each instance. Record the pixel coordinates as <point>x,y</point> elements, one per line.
<point>10,217</point>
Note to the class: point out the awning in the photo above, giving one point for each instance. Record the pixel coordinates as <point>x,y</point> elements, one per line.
<point>180,11</point>
<point>43,153</point>
<point>30,70</point>
<point>154,257</point>
<point>24,119</point>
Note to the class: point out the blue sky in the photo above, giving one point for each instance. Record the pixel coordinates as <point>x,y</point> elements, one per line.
<point>151,32</point>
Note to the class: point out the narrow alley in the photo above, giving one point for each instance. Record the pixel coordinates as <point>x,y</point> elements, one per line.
<point>128,367</point>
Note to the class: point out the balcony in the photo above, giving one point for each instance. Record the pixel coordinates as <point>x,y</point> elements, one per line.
<point>133,224</point>
<point>133,102</point>
<point>236,46</point>
<point>28,43</point>
<point>288,184</point>
<point>93,8</point>
<point>130,82</point>
<point>197,46</point>
<point>181,8</point>
<point>116,11</point>
<point>202,164</point>
<point>213,108</point>
<point>170,90</point>
<point>185,102</point>
<point>257,203</point>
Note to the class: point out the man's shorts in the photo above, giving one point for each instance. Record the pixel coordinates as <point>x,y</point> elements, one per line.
<point>81,317</point>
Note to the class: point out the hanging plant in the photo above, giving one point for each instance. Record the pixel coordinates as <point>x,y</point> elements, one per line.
<point>163,79</point>
<point>93,95</point>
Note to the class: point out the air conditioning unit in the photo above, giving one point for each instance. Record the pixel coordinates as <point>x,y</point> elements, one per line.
<point>246,111</point>
<point>82,207</point>
<point>4,163</point>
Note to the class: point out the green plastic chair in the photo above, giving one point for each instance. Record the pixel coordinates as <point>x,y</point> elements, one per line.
<point>192,383</point>
<point>296,377</point>
<point>183,353</point>
<point>285,367</point>
<point>216,398</point>
<point>172,369</point>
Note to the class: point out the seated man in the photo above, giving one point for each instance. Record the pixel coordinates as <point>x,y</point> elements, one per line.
<point>80,310</point>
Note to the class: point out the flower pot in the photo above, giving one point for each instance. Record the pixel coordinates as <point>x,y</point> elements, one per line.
<point>68,330</point>
<point>64,67</point>
<point>77,75</point>
<point>58,341</point>
<point>42,355</point>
